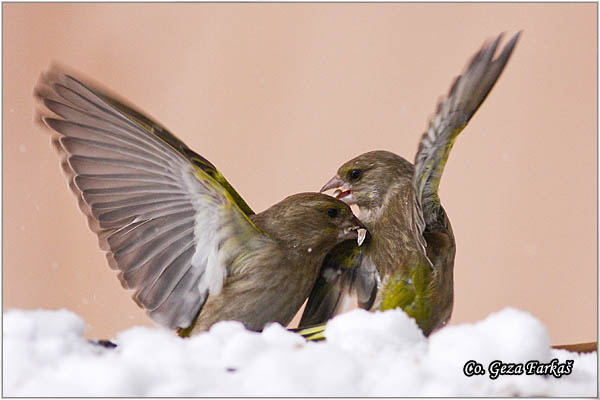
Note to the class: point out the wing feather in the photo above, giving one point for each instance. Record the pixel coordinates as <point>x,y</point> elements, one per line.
<point>466,95</point>
<point>168,220</point>
<point>346,272</point>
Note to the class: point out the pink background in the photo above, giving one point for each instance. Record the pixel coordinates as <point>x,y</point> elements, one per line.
<point>279,95</point>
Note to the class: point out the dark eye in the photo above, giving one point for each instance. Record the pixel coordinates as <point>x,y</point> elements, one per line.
<point>333,212</point>
<point>355,174</point>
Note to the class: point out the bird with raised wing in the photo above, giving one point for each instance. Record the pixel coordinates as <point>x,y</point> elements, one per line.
<point>408,260</point>
<point>174,228</point>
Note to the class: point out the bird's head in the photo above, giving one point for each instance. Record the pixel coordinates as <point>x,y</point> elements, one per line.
<point>366,179</point>
<point>314,222</point>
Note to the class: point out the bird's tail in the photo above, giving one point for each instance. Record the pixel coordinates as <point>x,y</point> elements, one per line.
<point>313,333</point>
<point>467,93</point>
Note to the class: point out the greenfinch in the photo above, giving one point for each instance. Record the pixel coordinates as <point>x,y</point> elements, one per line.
<point>174,228</point>
<point>408,260</point>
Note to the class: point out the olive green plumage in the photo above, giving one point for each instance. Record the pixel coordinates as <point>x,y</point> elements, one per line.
<point>408,260</point>
<point>276,279</point>
<point>174,228</point>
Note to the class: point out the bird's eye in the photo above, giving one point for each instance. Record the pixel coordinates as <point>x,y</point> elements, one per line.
<point>333,212</point>
<point>355,174</point>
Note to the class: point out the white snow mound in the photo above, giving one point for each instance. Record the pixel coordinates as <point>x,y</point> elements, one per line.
<point>366,354</point>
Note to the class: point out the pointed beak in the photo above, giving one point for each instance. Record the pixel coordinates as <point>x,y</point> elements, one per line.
<point>354,230</point>
<point>344,194</point>
<point>333,183</point>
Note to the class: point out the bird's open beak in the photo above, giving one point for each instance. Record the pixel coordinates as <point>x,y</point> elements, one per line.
<point>343,192</point>
<point>333,183</point>
<point>355,230</point>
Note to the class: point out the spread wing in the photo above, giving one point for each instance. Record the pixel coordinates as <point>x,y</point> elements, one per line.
<point>467,93</point>
<point>168,220</point>
<point>346,272</point>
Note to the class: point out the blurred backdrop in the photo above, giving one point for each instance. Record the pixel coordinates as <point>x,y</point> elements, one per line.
<point>279,95</point>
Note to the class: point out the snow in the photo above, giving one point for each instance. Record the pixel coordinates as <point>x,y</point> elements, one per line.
<point>366,354</point>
